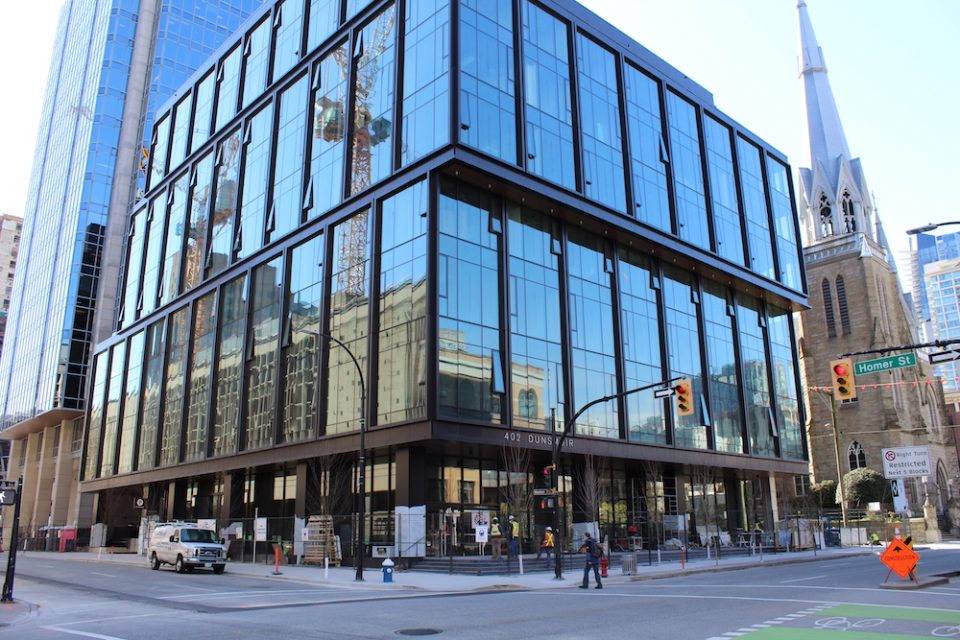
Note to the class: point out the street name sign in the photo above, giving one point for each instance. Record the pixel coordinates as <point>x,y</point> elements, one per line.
<point>944,356</point>
<point>906,462</point>
<point>900,558</point>
<point>8,496</point>
<point>885,364</point>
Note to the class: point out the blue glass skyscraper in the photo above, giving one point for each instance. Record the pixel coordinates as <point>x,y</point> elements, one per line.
<point>113,62</point>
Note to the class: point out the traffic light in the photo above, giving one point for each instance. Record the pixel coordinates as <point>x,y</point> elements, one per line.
<point>844,385</point>
<point>683,392</point>
<point>548,475</point>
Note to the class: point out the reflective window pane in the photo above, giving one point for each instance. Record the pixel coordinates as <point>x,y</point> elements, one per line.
<point>287,37</point>
<point>549,114</point>
<point>349,309</point>
<point>225,204</point>
<point>133,264</point>
<point>262,366</point>
<point>153,381</point>
<point>158,152</point>
<point>203,113</point>
<point>256,62</point>
<point>156,228</point>
<point>723,377</point>
<point>304,301</point>
<point>426,84</point>
<point>683,348</point>
<point>198,224</point>
<point>173,251</point>
<point>288,168</point>
<point>536,372</point>
<point>648,152</point>
<point>131,403</point>
<point>354,7</point>
<point>755,385</point>
<point>488,119</point>
<point>228,87</point>
<point>755,209</point>
<point>687,171</point>
<point>590,301</point>
<point>785,382</point>
<point>723,191</point>
<point>469,305</point>
<point>602,141</point>
<point>174,382</point>
<point>373,94</point>
<point>324,18</point>
<point>403,306</point>
<point>256,171</point>
<point>784,224</point>
<point>95,416</point>
<point>181,131</point>
<point>229,375</point>
<point>111,414</point>
<point>201,371</point>
<point>327,143</point>
<point>642,357</point>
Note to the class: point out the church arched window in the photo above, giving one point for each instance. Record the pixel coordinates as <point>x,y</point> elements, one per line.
<point>842,303</point>
<point>826,217</point>
<point>849,217</point>
<point>828,308</point>
<point>856,455</point>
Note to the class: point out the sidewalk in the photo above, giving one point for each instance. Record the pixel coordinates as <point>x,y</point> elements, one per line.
<point>344,577</point>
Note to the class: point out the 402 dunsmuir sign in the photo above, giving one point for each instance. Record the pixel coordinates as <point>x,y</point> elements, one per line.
<point>906,462</point>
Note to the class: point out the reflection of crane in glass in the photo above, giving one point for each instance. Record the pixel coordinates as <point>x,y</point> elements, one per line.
<point>368,132</point>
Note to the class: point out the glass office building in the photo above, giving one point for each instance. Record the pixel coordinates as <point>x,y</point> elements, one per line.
<point>446,226</point>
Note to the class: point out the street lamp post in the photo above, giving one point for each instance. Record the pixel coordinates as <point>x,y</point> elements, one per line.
<point>362,471</point>
<point>555,460</point>
<point>929,227</point>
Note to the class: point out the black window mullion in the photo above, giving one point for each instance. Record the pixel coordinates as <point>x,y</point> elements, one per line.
<point>656,272</point>
<point>705,172</point>
<point>619,362</point>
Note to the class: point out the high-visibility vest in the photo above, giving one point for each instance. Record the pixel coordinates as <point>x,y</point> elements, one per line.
<point>515,529</point>
<point>548,539</point>
<point>494,530</point>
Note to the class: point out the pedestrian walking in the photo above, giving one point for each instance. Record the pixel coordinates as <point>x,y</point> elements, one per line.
<point>547,544</point>
<point>496,538</point>
<point>593,552</point>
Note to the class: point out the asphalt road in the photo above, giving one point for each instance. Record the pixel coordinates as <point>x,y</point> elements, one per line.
<point>826,600</point>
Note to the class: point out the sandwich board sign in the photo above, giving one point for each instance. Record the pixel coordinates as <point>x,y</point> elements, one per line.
<point>900,558</point>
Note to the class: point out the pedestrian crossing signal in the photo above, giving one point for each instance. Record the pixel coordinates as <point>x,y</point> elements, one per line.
<point>683,396</point>
<point>844,384</point>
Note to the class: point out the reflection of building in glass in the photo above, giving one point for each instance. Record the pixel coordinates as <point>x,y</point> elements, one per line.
<point>113,64</point>
<point>547,244</point>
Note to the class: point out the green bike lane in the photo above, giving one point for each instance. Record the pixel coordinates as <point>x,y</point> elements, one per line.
<point>856,622</point>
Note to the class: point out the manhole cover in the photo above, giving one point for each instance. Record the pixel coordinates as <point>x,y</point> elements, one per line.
<point>418,632</point>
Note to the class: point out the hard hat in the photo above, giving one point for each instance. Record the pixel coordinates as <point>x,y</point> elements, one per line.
<point>511,517</point>
<point>549,529</point>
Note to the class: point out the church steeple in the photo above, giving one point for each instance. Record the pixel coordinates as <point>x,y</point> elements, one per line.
<point>836,200</point>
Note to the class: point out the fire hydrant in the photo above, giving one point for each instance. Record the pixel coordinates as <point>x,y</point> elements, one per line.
<point>604,565</point>
<point>387,570</point>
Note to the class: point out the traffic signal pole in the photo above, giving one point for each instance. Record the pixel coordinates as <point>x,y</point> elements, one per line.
<point>836,449</point>
<point>12,552</point>
<point>555,463</point>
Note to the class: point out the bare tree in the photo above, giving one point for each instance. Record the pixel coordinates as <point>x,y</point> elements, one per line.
<point>518,493</point>
<point>328,485</point>
<point>702,479</point>
<point>653,472</point>
<point>591,490</point>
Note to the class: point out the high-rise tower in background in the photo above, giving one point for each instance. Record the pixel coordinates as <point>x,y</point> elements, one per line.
<point>856,306</point>
<point>113,62</point>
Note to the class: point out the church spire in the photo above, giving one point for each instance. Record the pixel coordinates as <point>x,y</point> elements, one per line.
<point>827,141</point>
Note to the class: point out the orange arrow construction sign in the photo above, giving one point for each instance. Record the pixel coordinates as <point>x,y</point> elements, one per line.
<point>900,558</point>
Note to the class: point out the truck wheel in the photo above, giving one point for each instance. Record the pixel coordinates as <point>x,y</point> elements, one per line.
<point>179,566</point>
<point>219,569</point>
<point>154,562</point>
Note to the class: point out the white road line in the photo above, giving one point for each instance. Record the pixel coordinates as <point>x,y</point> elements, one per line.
<point>761,626</point>
<point>775,621</point>
<point>783,586</point>
<point>801,579</point>
<point>85,634</point>
<point>105,575</point>
<point>794,616</point>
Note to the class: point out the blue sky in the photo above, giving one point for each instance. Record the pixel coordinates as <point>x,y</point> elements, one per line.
<point>893,67</point>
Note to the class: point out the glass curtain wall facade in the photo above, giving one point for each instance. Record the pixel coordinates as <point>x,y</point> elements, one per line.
<point>347,263</point>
